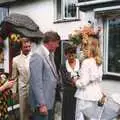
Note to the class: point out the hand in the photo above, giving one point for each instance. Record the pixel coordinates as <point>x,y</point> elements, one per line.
<point>8,84</point>
<point>72,84</point>
<point>74,81</point>
<point>15,97</point>
<point>43,110</point>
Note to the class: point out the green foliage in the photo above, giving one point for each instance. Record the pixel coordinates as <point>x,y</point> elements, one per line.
<point>76,39</point>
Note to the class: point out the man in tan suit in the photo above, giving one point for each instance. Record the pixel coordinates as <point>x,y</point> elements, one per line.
<point>20,72</point>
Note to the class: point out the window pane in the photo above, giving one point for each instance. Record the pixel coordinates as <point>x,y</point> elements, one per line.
<point>114,46</point>
<point>58,9</point>
<point>3,13</point>
<point>70,8</point>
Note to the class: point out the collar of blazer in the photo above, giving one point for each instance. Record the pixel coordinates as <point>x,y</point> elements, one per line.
<point>40,51</point>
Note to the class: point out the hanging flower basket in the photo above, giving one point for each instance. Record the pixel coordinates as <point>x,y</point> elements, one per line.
<point>80,36</point>
<point>76,37</point>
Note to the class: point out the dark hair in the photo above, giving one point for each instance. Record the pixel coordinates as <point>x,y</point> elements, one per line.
<point>51,35</point>
<point>2,45</point>
<point>1,50</point>
<point>70,49</point>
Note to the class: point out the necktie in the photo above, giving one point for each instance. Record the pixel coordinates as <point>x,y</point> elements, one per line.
<point>51,56</point>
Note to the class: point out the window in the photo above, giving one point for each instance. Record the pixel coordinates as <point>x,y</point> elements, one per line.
<point>3,13</point>
<point>4,66</point>
<point>112,46</point>
<point>66,9</point>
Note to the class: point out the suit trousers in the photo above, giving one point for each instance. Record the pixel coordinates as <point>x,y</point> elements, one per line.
<point>24,107</point>
<point>37,116</point>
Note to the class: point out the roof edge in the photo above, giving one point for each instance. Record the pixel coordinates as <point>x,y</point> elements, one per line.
<point>92,2</point>
<point>6,1</point>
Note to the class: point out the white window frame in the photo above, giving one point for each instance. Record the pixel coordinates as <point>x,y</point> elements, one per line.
<point>63,12</point>
<point>3,12</point>
<point>105,10</point>
<point>106,43</point>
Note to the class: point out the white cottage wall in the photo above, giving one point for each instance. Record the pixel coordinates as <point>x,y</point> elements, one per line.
<point>42,12</point>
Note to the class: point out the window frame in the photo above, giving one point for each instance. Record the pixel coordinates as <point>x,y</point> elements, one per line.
<point>62,16</point>
<point>106,48</point>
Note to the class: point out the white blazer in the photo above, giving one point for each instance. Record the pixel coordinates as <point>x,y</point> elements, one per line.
<point>89,83</point>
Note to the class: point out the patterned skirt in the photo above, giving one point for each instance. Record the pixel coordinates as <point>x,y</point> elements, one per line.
<point>5,97</point>
<point>3,108</point>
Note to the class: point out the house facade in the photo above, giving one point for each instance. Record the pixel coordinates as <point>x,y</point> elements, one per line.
<point>64,16</point>
<point>4,11</point>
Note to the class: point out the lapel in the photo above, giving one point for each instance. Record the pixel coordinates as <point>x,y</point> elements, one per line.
<point>42,53</point>
<point>51,66</point>
<point>26,65</point>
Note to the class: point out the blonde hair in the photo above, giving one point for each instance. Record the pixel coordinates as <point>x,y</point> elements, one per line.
<point>96,54</point>
<point>93,46</point>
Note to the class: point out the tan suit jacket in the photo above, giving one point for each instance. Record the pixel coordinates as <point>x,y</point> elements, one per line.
<point>20,72</point>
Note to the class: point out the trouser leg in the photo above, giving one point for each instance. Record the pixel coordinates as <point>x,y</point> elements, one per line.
<point>24,108</point>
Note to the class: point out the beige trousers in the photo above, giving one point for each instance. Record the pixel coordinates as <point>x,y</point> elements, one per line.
<point>24,107</point>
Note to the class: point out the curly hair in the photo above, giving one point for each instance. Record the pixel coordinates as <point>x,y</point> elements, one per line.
<point>70,49</point>
<point>94,47</point>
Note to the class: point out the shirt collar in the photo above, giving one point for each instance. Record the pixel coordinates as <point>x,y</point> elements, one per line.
<point>25,56</point>
<point>46,50</point>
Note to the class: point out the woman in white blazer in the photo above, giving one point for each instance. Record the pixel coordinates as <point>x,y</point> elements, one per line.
<point>88,86</point>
